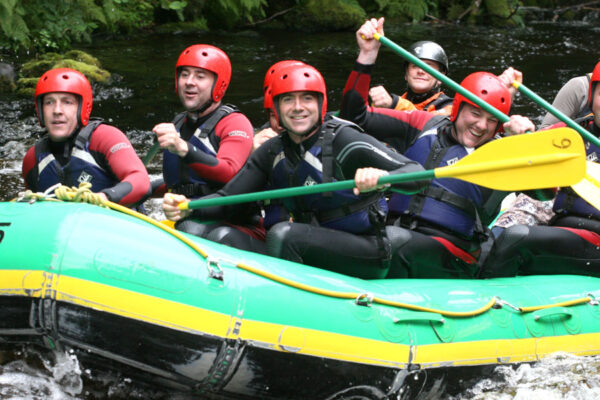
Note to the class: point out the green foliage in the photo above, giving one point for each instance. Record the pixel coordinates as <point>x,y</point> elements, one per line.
<point>414,10</point>
<point>12,24</point>
<point>227,14</point>
<point>326,15</point>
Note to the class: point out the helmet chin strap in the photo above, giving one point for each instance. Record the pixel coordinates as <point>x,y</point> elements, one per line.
<point>196,113</point>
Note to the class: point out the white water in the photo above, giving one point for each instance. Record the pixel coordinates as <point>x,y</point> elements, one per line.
<point>32,376</point>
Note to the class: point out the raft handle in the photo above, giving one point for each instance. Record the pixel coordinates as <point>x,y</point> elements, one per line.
<point>420,316</point>
<point>547,312</point>
<point>364,299</point>
<point>217,271</point>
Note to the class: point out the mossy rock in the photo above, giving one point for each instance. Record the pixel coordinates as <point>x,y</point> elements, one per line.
<point>75,59</point>
<point>35,68</point>
<point>326,15</point>
<point>83,57</point>
<point>92,72</point>
<point>26,86</point>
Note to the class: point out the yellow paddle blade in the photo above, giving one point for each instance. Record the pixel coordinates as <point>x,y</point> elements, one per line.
<point>589,187</point>
<point>536,160</point>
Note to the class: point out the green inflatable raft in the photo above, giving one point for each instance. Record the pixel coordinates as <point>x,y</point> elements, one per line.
<point>197,316</point>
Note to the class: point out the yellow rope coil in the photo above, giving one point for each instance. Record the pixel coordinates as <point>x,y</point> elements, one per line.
<point>81,194</point>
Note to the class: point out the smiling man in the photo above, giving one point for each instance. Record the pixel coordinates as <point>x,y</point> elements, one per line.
<point>79,149</point>
<point>423,91</point>
<point>205,146</point>
<point>342,230</point>
<point>439,230</point>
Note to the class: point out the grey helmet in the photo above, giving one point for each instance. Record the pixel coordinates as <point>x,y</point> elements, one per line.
<point>428,50</point>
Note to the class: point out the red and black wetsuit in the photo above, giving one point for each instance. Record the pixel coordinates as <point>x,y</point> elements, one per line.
<point>571,245</point>
<point>219,145</point>
<point>100,154</point>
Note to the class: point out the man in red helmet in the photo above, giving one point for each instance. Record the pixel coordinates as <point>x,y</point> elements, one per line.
<point>571,245</point>
<point>271,128</point>
<point>208,144</point>
<point>79,149</point>
<point>439,230</point>
<point>343,230</point>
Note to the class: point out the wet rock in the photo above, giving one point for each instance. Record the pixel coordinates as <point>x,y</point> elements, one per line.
<point>7,78</point>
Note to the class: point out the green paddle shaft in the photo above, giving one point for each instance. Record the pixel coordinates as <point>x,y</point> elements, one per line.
<point>441,77</point>
<point>304,190</point>
<point>557,113</point>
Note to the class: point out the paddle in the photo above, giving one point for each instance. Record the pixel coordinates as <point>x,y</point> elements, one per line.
<point>557,113</point>
<point>589,191</point>
<point>541,160</point>
<point>151,153</point>
<point>441,77</point>
<point>589,187</point>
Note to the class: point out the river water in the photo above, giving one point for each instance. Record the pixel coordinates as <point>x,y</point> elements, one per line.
<point>142,95</point>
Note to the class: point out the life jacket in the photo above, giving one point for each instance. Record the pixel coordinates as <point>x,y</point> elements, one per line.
<point>438,103</point>
<point>568,202</point>
<point>446,204</point>
<point>81,166</point>
<point>341,209</point>
<point>179,177</point>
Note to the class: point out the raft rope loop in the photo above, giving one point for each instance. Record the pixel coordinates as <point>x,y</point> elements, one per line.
<point>83,194</point>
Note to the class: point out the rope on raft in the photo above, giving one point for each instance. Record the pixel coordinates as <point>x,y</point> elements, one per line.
<point>83,194</point>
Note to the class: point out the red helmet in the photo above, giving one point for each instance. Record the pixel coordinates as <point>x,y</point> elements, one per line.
<point>210,58</point>
<point>487,87</point>
<point>299,78</point>
<point>65,80</point>
<point>272,70</point>
<point>593,80</point>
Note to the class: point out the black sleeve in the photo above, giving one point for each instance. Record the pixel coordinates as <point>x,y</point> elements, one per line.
<point>354,150</point>
<point>252,177</point>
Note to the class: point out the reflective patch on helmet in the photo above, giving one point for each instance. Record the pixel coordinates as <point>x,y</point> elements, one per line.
<point>238,133</point>
<point>119,146</point>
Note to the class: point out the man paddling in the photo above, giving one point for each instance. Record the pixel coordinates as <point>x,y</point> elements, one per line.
<point>423,91</point>
<point>79,148</point>
<point>342,231</point>
<point>205,146</point>
<point>440,230</point>
<point>571,245</point>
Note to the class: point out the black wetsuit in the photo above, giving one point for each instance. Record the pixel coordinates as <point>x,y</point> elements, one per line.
<point>363,255</point>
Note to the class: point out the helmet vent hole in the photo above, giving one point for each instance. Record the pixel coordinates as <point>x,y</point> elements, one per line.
<point>205,54</point>
<point>65,76</point>
<point>284,76</point>
<point>502,100</point>
<point>306,75</point>
<point>484,92</point>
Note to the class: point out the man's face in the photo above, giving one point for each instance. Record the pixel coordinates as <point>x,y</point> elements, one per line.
<point>194,87</point>
<point>60,114</point>
<point>299,111</point>
<point>474,126</point>
<point>418,80</point>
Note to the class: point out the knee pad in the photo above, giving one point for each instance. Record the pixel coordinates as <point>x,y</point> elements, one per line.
<point>511,237</point>
<point>220,234</point>
<point>193,227</point>
<point>276,238</point>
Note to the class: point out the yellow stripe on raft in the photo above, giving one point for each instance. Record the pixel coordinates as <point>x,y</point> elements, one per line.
<point>287,338</point>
